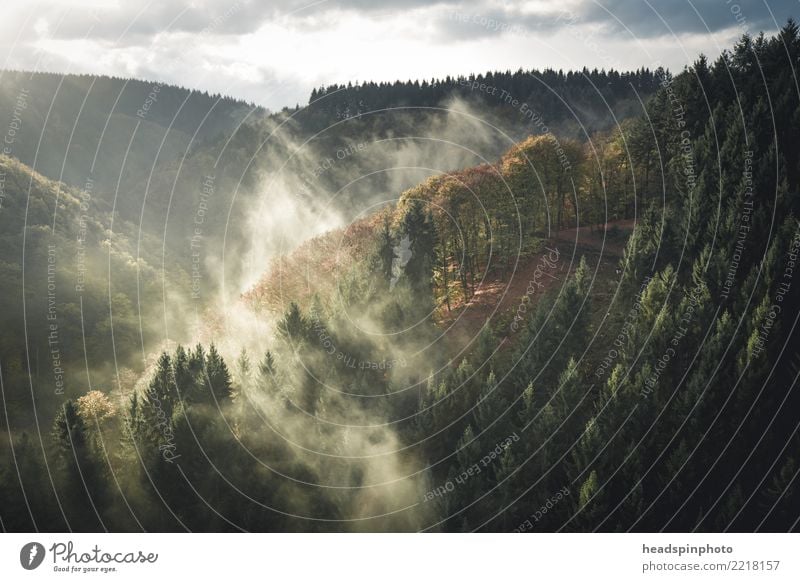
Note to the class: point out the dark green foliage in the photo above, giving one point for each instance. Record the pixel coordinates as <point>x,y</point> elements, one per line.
<point>692,426</point>
<point>82,479</point>
<point>218,378</point>
<point>418,226</point>
<point>587,90</point>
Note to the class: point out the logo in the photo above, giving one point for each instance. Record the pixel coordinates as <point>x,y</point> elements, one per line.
<point>31,555</point>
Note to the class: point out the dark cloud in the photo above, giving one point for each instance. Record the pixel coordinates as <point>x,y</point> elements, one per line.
<point>644,18</point>
<point>641,18</point>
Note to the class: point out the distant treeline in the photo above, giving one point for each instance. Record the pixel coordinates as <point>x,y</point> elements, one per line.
<point>563,99</point>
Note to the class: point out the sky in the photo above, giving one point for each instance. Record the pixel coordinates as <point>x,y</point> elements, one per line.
<point>273,52</point>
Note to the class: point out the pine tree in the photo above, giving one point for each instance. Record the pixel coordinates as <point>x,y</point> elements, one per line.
<point>386,254</point>
<point>184,376</point>
<point>267,371</point>
<point>82,472</point>
<point>218,377</point>
<point>161,393</point>
<point>243,370</point>
<point>491,410</point>
<point>293,327</point>
<point>418,226</point>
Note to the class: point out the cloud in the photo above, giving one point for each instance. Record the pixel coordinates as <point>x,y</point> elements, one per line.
<point>274,52</point>
<point>458,23</point>
<point>132,21</point>
<point>138,22</point>
<point>641,19</point>
<point>650,18</point>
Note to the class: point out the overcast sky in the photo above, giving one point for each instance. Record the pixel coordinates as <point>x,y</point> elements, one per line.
<point>272,52</point>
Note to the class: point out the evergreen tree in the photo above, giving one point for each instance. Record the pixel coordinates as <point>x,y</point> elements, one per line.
<point>418,226</point>
<point>218,377</point>
<point>83,480</point>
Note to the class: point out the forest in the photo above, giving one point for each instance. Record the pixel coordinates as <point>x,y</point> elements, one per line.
<point>581,319</point>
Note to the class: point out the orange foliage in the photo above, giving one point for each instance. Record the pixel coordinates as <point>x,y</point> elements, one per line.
<point>314,267</point>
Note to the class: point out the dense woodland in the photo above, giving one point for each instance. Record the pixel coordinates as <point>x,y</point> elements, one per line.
<point>557,94</point>
<point>660,395</point>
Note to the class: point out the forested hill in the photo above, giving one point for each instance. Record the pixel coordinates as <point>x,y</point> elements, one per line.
<point>73,127</point>
<point>662,395</point>
<point>144,150</point>
<point>76,289</point>
<point>572,103</point>
<point>657,393</point>
<point>103,166</point>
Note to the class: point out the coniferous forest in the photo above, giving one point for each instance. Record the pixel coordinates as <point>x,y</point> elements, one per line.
<point>533,300</point>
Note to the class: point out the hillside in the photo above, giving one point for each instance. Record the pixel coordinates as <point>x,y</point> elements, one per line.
<point>162,157</point>
<point>619,374</point>
<point>392,330</point>
<point>88,289</point>
<point>75,127</point>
